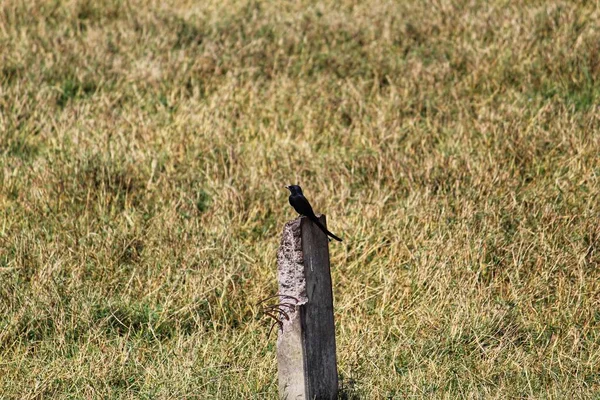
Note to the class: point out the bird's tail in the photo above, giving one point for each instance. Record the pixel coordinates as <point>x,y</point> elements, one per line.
<point>325,231</point>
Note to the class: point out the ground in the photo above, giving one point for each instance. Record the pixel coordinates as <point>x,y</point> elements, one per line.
<point>144,150</point>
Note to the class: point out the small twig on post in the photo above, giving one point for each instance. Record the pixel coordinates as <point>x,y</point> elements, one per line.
<point>277,311</point>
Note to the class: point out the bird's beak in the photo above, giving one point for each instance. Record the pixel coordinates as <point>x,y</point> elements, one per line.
<point>287,187</point>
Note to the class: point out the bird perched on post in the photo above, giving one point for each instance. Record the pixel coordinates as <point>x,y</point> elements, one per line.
<point>303,207</point>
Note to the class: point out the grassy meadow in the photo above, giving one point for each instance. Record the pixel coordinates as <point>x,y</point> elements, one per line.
<point>144,146</point>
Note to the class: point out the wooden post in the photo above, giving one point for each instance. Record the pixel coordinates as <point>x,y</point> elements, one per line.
<point>306,344</point>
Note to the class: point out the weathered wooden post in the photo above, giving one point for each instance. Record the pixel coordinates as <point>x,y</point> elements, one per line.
<point>306,344</point>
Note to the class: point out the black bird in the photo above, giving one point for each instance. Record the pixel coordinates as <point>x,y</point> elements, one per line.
<point>302,207</point>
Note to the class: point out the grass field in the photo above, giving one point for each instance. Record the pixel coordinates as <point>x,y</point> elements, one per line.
<point>144,147</point>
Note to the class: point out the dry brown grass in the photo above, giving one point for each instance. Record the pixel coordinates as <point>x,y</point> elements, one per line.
<point>143,151</point>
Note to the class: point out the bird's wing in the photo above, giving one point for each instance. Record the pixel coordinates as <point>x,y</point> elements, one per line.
<point>302,206</point>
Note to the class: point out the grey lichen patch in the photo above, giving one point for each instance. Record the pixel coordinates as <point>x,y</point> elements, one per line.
<point>290,270</point>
